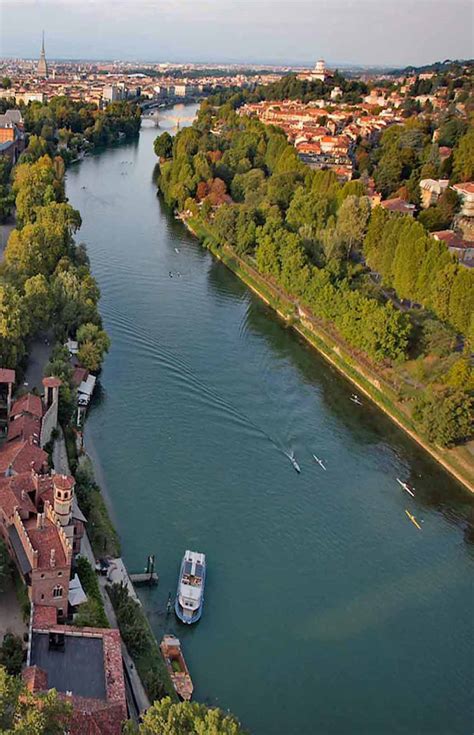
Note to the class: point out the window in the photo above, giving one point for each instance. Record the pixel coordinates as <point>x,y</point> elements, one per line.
<point>57,591</point>
<point>42,576</point>
<point>60,574</point>
<point>42,597</point>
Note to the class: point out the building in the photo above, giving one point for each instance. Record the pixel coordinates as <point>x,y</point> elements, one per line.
<point>42,527</point>
<point>12,137</point>
<point>85,667</point>
<point>40,520</point>
<point>113,93</point>
<point>25,97</point>
<point>458,246</point>
<point>466,192</point>
<point>431,190</point>
<point>399,206</point>
<point>42,68</point>
<point>319,72</point>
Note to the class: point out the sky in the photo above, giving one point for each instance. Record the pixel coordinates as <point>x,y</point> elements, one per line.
<point>370,32</point>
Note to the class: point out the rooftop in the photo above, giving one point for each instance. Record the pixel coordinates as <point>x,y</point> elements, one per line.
<point>51,382</point>
<point>7,376</point>
<point>21,456</point>
<point>25,427</point>
<point>28,403</point>
<point>45,540</point>
<point>79,668</point>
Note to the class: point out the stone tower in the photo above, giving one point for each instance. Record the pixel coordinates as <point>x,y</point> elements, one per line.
<point>42,69</point>
<point>63,494</point>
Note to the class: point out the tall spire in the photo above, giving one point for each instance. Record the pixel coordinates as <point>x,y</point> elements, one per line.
<point>42,68</point>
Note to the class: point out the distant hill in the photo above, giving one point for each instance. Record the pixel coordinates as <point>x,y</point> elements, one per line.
<point>437,67</point>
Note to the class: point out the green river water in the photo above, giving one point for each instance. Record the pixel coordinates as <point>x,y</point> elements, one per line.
<point>327,612</point>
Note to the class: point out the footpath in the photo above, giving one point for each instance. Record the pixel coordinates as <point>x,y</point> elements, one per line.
<point>137,698</point>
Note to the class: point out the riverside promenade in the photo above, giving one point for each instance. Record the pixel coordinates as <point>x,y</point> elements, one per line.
<point>137,698</point>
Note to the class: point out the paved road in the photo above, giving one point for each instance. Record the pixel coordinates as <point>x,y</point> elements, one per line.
<point>5,230</point>
<point>39,351</point>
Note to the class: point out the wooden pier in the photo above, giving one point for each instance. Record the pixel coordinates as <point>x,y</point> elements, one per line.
<point>149,576</point>
<point>144,578</point>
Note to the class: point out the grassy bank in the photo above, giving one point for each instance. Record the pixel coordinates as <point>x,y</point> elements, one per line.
<point>100,529</point>
<point>141,644</point>
<point>92,612</point>
<point>457,461</point>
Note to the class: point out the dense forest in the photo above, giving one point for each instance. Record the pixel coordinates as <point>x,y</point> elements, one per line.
<point>350,266</point>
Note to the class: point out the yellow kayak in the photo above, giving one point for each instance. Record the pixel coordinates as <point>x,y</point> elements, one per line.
<point>413,519</point>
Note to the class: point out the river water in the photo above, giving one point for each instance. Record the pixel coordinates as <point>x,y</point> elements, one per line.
<point>326,610</point>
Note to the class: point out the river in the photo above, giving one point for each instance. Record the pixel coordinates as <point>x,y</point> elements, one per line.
<point>327,612</point>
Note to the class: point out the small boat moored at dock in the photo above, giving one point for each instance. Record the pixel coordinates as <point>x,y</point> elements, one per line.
<point>174,660</point>
<point>190,593</point>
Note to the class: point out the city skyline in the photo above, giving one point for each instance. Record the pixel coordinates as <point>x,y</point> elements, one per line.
<point>344,33</point>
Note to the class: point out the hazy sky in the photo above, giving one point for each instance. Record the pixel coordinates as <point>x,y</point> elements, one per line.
<point>397,32</point>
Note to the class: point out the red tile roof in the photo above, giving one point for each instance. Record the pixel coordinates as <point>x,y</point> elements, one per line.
<point>22,456</point>
<point>44,616</point>
<point>36,680</point>
<point>44,540</point>
<point>13,496</point>
<point>7,376</point>
<point>63,482</point>
<point>25,428</point>
<point>93,717</point>
<point>397,205</point>
<point>79,375</point>
<point>28,403</point>
<point>466,188</point>
<point>51,382</point>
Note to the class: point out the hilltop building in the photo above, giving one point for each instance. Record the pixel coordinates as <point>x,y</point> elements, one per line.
<point>318,74</point>
<point>42,68</point>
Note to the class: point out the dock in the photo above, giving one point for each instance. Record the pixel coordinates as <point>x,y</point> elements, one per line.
<point>148,576</point>
<point>144,578</point>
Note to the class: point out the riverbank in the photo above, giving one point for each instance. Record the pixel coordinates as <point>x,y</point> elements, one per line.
<point>453,460</point>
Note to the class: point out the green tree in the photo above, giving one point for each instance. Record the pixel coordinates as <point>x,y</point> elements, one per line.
<point>446,417</point>
<point>460,376</point>
<point>463,157</point>
<point>352,220</point>
<point>23,713</point>
<point>163,145</point>
<point>12,325</point>
<point>93,344</point>
<point>186,718</point>
<point>37,302</point>
<point>11,654</point>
